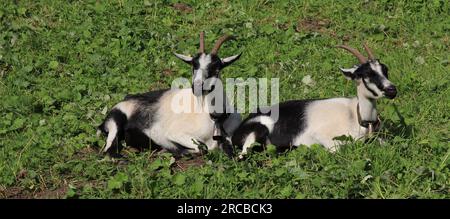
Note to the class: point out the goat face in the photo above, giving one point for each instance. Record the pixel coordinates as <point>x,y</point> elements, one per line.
<point>206,67</point>
<point>371,76</point>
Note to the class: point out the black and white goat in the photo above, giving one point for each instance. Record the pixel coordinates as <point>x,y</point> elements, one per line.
<point>307,122</point>
<point>153,118</point>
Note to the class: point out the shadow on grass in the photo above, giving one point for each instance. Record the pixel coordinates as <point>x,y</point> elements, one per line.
<point>398,128</point>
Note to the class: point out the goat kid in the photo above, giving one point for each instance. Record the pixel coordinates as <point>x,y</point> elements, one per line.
<point>153,119</point>
<point>307,122</point>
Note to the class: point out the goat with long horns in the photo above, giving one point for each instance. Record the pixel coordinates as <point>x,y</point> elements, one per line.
<point>178,120</point>
<point>307,122</point>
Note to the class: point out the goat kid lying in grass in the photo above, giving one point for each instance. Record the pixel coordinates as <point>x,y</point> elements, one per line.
<point>307,122</point>
<point>153,118</point>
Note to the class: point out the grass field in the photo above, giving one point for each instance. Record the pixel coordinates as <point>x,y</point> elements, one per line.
<point>62,65</point>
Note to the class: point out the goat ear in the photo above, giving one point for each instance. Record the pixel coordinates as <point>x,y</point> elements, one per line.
<point>228,60</point>
<point>186,59</point>
<point>349,73</point>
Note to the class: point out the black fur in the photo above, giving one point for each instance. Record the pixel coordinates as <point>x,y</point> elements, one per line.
<point>142,119</point>
<point>144,115</point>
<point>213,68</point>
<point>286,128</point>
<point>366,72</point>
<point>369,89</point>
<point>224,144</point>
<point>148,98</point>
<point>137,139</point>
<point>245,129</point>
<point>291,122</point>
<point>121,120</point>
<point>221,116</point>
<point>384,68</point>
<point>130,129</point>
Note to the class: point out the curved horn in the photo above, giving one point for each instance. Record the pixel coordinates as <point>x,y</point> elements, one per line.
<point>202,42</point>
<point>369,51</point>
<point>219,43</point>
<point>355,52</point>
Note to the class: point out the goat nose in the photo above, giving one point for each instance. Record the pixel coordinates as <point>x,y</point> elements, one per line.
<point>390,91</point>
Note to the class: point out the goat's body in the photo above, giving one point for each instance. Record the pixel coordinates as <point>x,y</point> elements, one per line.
<point>150,117</point>
<point>307,122</point>
<point>302,122</point>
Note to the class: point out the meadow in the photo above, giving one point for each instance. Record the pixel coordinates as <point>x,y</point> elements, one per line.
<point>63,64</point>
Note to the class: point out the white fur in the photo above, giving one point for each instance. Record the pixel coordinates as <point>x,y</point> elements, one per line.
<point>111,127</point>
<point>204,61</point>
<point>229,59</point>
<point>374,88</point>
<point>186,127</point>
<point>326,119</point>
<point>351,70</point>
<point>126,107</point>
<point>265,120</point>
<point>377,68</point>
<point>190,121</point>
<point>330,118</point>
<point>249,140</point>
<point>200,74</point>
<point>172,124</point>
<point>183,57</point>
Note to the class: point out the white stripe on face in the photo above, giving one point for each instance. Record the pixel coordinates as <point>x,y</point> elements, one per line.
<point>376,67</point>
<point>198,76</point>
<point>374,88</point>
<point>201,73</point>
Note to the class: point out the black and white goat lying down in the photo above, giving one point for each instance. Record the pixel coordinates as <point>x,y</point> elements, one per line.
<point>307,122</point>
<point>146,118</point>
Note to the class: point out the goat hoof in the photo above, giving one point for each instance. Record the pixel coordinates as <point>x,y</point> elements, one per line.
<point>241,157</point>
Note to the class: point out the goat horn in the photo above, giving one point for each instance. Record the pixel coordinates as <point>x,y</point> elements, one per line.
<point>219,43</point>
<point>355,52</point>
<point>369,51</point>
<point>202,42</point>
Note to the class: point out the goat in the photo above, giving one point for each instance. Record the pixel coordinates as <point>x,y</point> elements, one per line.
<point>151,118</point>
<point>319,121</point>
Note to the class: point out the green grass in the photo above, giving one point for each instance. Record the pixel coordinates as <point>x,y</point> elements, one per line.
<point>62,63</point>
